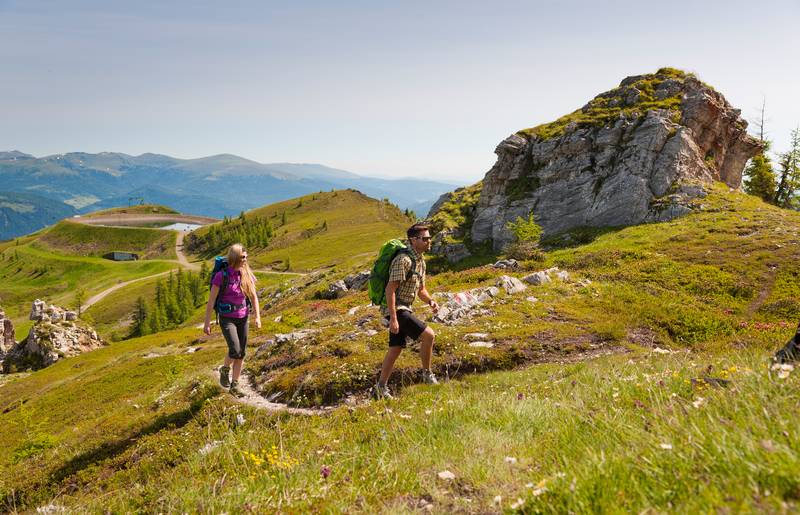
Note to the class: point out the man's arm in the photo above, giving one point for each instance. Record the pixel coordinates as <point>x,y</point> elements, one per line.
<point>426,297</point>
<point>391,306</point>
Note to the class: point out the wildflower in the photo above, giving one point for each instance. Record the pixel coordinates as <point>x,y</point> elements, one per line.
<point>520,396</point>
<point>517,505</point>
<point>540,488</point>
<point>510,459</point>
<point>428,412</point>
<point>666,446</point>
<point>497,500</point>
<point>698,402</point>
<point>325,471</point>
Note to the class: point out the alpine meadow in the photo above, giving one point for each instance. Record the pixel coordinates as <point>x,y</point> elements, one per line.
<point>602,316</point>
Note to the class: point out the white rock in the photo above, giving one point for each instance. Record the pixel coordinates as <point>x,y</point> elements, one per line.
<point>537,278</point>
<point>486,345</point>
<point>476,336</point>
<point>511,284</point>
<point>446,475</point>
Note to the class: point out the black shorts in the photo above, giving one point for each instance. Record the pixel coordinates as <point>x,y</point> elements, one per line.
<point>410,326</point>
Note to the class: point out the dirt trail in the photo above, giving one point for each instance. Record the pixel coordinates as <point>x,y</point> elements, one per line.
<point>181,260</point>
<point>254,399</point>
<point>179,252</point>
<point>103,294</point>
<point>764,293</point>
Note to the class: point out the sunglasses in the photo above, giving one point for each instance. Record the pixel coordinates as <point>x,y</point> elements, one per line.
<point>424,238</point>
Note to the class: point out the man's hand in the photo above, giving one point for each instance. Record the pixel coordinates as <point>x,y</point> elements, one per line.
<point>394,326</point>
<point>434,306</point>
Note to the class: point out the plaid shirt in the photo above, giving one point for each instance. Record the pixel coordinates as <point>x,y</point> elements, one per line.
<point>407,290</point>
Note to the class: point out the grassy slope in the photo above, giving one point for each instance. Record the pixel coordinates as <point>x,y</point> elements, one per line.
<point>145,209</point>
<point>356,225</point>
<point>85,240</point>
<point>624,432</point>
<point>28,272</point>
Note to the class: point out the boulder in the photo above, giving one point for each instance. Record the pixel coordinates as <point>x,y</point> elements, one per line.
<point>37,310</point>
<point>537,278</point>
<point>643,152</point>
<point>337,290</point>
<point>7,337</point>
<point>357,281</point>
<point>510,284</point>
<point>507,264</point>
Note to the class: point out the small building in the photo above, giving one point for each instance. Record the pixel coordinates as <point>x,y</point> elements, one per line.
<point>121,256</point>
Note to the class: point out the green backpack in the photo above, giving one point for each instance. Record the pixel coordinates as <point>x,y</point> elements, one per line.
<point>380,270</point>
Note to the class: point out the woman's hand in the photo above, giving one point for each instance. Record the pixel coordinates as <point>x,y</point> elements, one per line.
<point>258,322</point>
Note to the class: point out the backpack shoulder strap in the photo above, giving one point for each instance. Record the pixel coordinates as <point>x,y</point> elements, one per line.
<point>413,269</point>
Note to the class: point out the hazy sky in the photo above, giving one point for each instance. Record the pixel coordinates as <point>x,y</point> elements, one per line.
<point>389,89</point>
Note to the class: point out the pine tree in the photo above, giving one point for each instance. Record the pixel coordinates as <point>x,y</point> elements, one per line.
<point>283,218</point>
<point>139,318</point>
<point>760,178</point>
<point>786,193</point>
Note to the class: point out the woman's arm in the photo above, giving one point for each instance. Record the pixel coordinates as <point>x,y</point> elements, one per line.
<point>257,309</point>
<point>212,298</point>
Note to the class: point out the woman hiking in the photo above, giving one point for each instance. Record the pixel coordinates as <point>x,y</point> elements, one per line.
<point>238,285</point>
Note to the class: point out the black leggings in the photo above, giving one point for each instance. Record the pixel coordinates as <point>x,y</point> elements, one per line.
<point>235,332</point>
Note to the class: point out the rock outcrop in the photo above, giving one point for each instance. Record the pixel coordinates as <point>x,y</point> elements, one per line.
<point>57,334</point>
<point>641,152</point>
<point>7,340</point>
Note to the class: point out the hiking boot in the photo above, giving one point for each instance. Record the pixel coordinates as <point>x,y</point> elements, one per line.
<point>429,377</point>
<point>224,376</point>
<point>235,391</point>
<point>382,392</point>
<point>790,352</point>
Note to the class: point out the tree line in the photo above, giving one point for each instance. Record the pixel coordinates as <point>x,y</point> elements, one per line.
<point>776,183</point>
<point>173,303</point>
<point>250,231</point>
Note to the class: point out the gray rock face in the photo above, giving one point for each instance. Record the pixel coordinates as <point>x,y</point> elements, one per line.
<point>50,339</point>
<point>644,167</point>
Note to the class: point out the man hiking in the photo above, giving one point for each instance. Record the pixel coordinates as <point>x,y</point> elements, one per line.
<point>406,281</point>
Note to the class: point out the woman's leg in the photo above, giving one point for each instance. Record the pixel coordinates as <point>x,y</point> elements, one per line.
<point>241,333</point>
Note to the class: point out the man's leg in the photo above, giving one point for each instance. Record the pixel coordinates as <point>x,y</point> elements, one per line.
<point>426,347</point>
<point>388,364</point>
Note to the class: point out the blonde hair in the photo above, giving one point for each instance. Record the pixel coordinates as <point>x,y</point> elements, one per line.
<point>235,260</point>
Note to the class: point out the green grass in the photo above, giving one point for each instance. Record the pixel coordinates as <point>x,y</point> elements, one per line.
<point>145,209</point>
<point>28,272</point>
<point>87,240</point>
<point>325,229</point>
<point>573,410</point>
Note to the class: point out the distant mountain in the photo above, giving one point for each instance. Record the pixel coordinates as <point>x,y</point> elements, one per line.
<point>23,213</point>
<point>215,186</point>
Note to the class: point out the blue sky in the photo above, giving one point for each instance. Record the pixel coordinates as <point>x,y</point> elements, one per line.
<point>379,88</point>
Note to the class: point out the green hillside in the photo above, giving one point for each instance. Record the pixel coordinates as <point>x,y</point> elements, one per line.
<point>639,385</point>
<point>314,231</point>
<point>88,240</point>
<point>144,209</point>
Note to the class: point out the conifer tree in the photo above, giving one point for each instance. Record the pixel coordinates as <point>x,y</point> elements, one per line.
<point>786,193</point>
<point>759,177</point>
<point>140,318</point>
